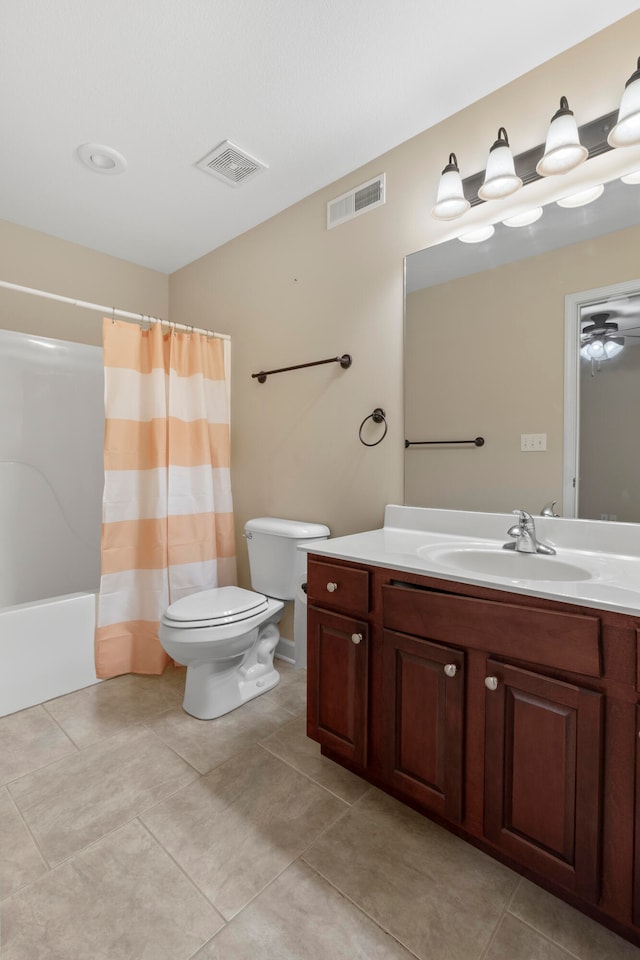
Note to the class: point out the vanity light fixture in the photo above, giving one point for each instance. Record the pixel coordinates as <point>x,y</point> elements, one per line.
<point>478,235</point>
<point>500,178</point>
<point>563,151</point>
<point>582,197</point>
<point>524,219</point>
<point>627,130</point>
<point>450,201</point>
<point>631,177</point>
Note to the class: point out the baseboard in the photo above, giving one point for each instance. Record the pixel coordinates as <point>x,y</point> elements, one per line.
<point>285,650</point>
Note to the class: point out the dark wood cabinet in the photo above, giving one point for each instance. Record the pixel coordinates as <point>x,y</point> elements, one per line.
<point>543,775</point>
<point>423,703</point>
<point>337,694</point>
<point>514,720</point>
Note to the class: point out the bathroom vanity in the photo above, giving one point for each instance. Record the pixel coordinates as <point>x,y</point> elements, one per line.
<point>504,705</point>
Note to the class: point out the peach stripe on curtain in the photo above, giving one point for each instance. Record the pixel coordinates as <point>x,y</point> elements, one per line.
<point>167,521</point>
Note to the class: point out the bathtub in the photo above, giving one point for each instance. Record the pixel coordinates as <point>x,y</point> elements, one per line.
<point>51,481</point>
<point>46,650</point>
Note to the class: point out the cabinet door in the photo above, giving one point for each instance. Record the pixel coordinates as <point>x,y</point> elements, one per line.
<point>337,688</point>
<point>543,775</point>
<point>423,691</point>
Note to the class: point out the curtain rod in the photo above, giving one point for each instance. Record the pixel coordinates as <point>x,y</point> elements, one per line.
<point>112,311</point>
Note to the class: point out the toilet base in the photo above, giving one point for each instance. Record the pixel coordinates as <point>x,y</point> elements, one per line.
<point>213,689</point>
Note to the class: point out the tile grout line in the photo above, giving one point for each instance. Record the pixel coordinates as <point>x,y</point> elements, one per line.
<point>192,882</point>
<point>261,743</point>
<point>45,862</point>
<point>545,936</point>
<point>58,724</point>
<point>503,913</point>
<point>358,906</point>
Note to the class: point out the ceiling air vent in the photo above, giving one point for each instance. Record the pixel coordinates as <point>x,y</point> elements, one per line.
<point>231,164</point>
<point>359,200</point>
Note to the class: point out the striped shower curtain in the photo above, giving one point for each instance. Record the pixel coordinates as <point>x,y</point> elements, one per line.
<point>167,523</point>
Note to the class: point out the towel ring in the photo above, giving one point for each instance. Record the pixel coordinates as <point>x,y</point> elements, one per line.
<point>378,416</point>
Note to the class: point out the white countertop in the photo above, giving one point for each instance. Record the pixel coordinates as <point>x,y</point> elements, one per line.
<point>607,553</point>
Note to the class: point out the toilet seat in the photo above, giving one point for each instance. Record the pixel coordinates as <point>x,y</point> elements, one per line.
<point>217,607</point>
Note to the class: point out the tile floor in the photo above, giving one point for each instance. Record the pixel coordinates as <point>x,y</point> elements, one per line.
<point>131,831</point>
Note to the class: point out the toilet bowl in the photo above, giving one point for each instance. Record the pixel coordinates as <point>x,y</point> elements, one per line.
<point>226,636</point>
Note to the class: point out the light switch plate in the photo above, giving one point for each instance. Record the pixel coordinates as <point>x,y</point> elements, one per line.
<point>533,442</point>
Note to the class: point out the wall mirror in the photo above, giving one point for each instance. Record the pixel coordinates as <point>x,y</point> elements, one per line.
<point>493,333</point>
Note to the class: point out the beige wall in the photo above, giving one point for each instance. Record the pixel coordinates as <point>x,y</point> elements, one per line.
<point>33,259</point>
<point>290,291</point>
<point>486,358</point>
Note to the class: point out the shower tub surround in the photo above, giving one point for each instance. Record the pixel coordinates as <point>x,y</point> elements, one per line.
<point>51,480</point>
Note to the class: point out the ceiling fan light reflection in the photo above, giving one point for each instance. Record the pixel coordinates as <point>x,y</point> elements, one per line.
<point>602,349</point>
<point>613,347</point>
<point>524,219</point>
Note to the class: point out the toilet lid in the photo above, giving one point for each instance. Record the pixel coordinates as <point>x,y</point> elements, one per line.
<point>221,605</point>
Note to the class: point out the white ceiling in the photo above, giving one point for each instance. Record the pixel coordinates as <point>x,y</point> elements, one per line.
<point>312,88</point>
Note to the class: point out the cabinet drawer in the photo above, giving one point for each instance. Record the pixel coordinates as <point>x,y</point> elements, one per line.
<point>341,588</point>
<point>563,641</point>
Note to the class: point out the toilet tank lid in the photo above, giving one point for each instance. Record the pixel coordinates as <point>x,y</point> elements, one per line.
<point>294,529</point>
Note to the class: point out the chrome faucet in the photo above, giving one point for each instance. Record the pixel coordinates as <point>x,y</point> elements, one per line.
<point>524,536</point>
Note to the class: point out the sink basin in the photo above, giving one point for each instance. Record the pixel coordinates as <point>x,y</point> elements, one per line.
<point>495,562</point>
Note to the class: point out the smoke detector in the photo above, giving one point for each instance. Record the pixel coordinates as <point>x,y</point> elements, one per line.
<point>230,164</point>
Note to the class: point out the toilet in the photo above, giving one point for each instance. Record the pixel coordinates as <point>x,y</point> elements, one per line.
<point>226,637</point>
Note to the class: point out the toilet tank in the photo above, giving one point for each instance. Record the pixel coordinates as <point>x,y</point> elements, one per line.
<point>274,559</point>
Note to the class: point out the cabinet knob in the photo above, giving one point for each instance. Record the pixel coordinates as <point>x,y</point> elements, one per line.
<point>450,669</point>
<point>356,637</point>
<point>332,587</point>
<point>491,683</point>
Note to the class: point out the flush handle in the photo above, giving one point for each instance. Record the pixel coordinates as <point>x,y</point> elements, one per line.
<point>332,587</point>
<point>450,669</point>
<point>356,638</point>
<point>491,683</point>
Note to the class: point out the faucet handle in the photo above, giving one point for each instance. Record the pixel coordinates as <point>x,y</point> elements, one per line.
<point>549,509</point>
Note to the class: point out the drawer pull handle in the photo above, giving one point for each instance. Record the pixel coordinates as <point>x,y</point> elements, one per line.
<point>450,669</point>
<point>356,638</point>
<point>491,683</point>
<point>332,587</point>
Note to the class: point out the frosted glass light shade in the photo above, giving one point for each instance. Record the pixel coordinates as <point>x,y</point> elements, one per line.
<point>524,219</point>
<point>450,201</point>
<point>631,177</point>
<point>478,235</point>
<point>627,130</point>
<point>500,178</point>
<point>563,150</point>
<point>602,349</point>
<point>583,197</point>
